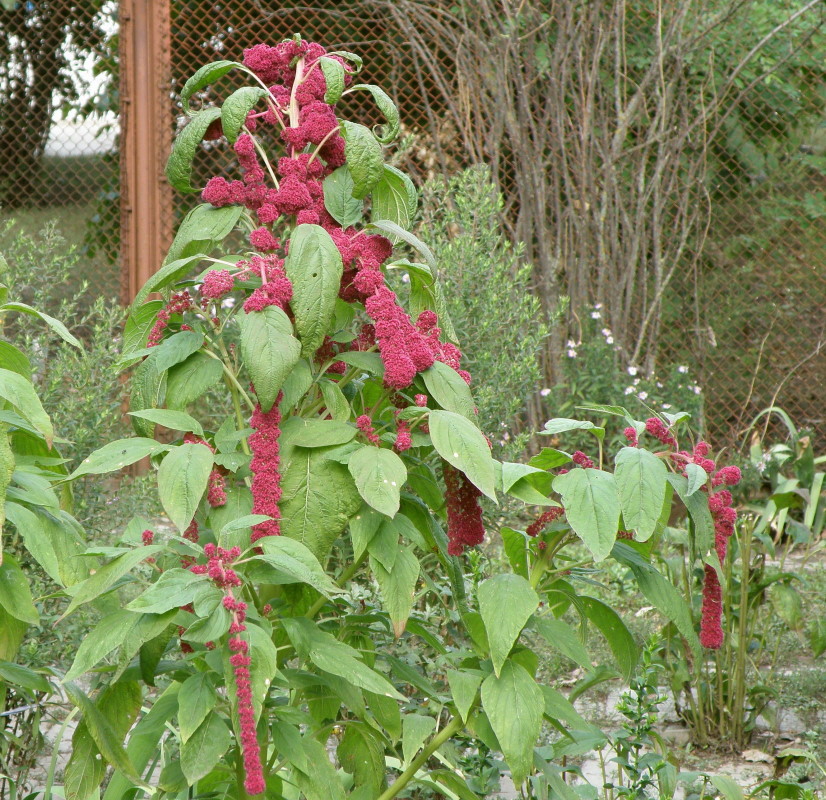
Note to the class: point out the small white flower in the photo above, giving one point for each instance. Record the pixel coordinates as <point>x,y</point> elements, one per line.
<point>696,389</point>
<point>666,406</point>
<point>609,340</point>
<point>632,370</point>
<point>506,437</point>
<point>682,369</point>
<point>606,332</point>
<point>596,315</point>
<point>571,353</point>
<point>405,278</point>
<point>597,306</point>
<point>544,392</point>
<point>629,390</point>
<point>636,381</point>
<point>570,343</point>
<point>659,385</point>
<point>643,395</point>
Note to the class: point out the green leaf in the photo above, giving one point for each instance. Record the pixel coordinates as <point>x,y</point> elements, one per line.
<point>116,455</point>
<point>321,781</point>
<point>179,165</point>
<point>641,483</point>
<point>394,198</point>
<point>236,107</point>
<point>335,657</point>
<point>786,603</point>
<point>15,360</point>
<point>204,748</point>
<point>398,586</point>
<point>182,481</point>
<point>320,433</point>
<point>105,577</point>
<point>170,272</point>
<point>335,400</point>
<point>108,742</point>
<point>563,425</point>
<point>449,390</point>
<point>196,699</point>
<point>728,788</point>
<point>105,637</point>
<point>175,588</point>
<point>318,498</point>
<point>175,349</point>
<point>660,593</point>
<point>515,544</point>
<point>696,476</point>
<point>55,324</point>
<point>206,75</point>
<point>697,506</point>
<point>459,442</point>
<point>416,729</point>
<point>21,394</point>
<point>269,351</point>
<point>298,562</point>
<point>592,507</point>
<point>387,108</point>
<point>817,637</point>
<point>393,230</point>
<point>210,628</point>
<point>611,626</point>
<point>190,379</point>
<point>22,676</point>
<point>15,595</point>
<point>506,603</point>
<point>296,385</point>
<point>148,386</point>
<point>199,232</point>
<point>363,527</point>
<point>362,755</point>
<point>174,420</point>
<point>314,267</point>
<point>549,458</point>
<point>379,475</point>
<point>463,688</point>
<point>333,77</point>
<point>561,636</point>
<point>514,704</point>
<point>345,209</point>
<point>559,708</point>
<point>368,362</point>
<point>364,157</point>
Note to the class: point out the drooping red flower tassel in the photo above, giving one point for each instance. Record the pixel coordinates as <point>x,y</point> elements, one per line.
<point>711,621</point>
<point>265,464</point>
<point>464,514</point>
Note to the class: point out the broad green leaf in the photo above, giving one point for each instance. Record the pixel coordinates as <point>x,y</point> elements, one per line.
<point>561,636</point>
<point>106,576</point>
<point>207,74</point>
<point>363,527</point>
<point>515,544</point>
<point>416,729</point>
<point>147,389</point>
<point>345,209</point>
<point>697,477</point>
<point>196,699</point>
<point>384,545</point>
<point>641,483</point>
<point>728,788</point>
<point>23,676</point>
<point>21,394</point>
<point>592,507</point>
<point>209,628</point>
<point>559,708</point>
<point>394,198</point>
<point>175,588</point>
<point>387,108</point>
<point>379,475</point>
<point>12,631</point>
<point>787,604</point>
<point>55,324</point>
<point>817,637</point>
<point>287,741</point>
<point>296,385</point>
<point>563,425</point>
<point>392,229</point>
<point>361,754</point>
<point>204,748</point>
<point>314,267</point>
<point>182,481</point>
<point>170,272</point>
<point>199,232</point>
<point>333,77</point>
<point>612,627</point>
<point>398,586</point>
<point>514,705</point>
<point>549,458</point>
<point>335,400</point>
<point>179,165</point>
<point>318,498</point>
<point>363,156</point>
<point>464,686</point>
<point>506,603</point>
<point>298,562</point>
<point>335,657</point>
<point>697,505</point>
<point>660,593</point>
<point>175,349</point>
<point>15,360</point>
<point>236,107</point>
<point>368,362</point>
<point>459,442</point>
<point>269,351</point>
<point>116,455</point>
<point>449,390</point>
<point>105,637</point>
<point>188,380</point>
<point>320,433</point>
<point>15,595</point>
<point>321,781</point>
<point>174,420</point>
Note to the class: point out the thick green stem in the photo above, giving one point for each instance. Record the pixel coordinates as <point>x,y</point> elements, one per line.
<point>452,727</point>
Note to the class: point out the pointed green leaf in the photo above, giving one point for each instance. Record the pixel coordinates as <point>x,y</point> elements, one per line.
<point>394,198</point>
<point>398,586</point>
<point>345,209</point>
<point>611,626</point>
<point>236,107</point>
<point>116,455</point>
<point>506,603</point>
<point>15,595</point>
<point>416,729</point>
<point>199,232</point>
<point>179,165</point>
<point>592,507</point>
<point>203,749</point>
<point>398,233</point>
<point>175,588</point>
<point>196,699</point>
<point>379,475</point>
<point>333,77</point>
<point>361,754</point>
<point>298,562</point>
<point>459,442</point>
<point>641,483</point>
<point>561,636</point>
<point>449,390</point>
<point>21,394</point>
<point>363,156</point>
<point>188,380</point>
<point>464,686</point>
<point>174,420</point>
<point>320,433</point>
<point>182,481</point>
<point>387,108</point>
<point>55,324</point>
<point>697,505</point>
<point>207,74</point>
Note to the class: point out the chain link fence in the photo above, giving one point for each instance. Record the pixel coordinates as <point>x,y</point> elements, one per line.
<point>664,163</point>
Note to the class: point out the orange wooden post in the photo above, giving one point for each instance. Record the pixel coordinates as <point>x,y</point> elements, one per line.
<point>146,135</point>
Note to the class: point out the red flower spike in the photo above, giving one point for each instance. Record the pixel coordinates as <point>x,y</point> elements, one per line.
<point>465,527</point>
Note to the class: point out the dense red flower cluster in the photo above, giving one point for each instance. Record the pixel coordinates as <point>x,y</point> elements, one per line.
<point>365,424</point>
<point>217,283</point>
<point>543,520</point>
<point>465,527</point>
<point>404,439</point>
<point>581,460</point>
<point>265,467</point>
<point>656,427</point>
<point>216,489</point>
<point>178,304</point>
<point>630,435</point>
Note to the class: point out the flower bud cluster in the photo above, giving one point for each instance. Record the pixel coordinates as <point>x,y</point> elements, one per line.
<point>465,527</point>
<point>265,467</point>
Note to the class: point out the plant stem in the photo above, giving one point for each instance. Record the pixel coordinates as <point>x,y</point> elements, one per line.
<point>47,794</point>
<point>345,576</point>
<point>454,726</point>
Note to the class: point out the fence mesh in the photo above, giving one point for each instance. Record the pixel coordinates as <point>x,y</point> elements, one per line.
<point>743,309</point>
